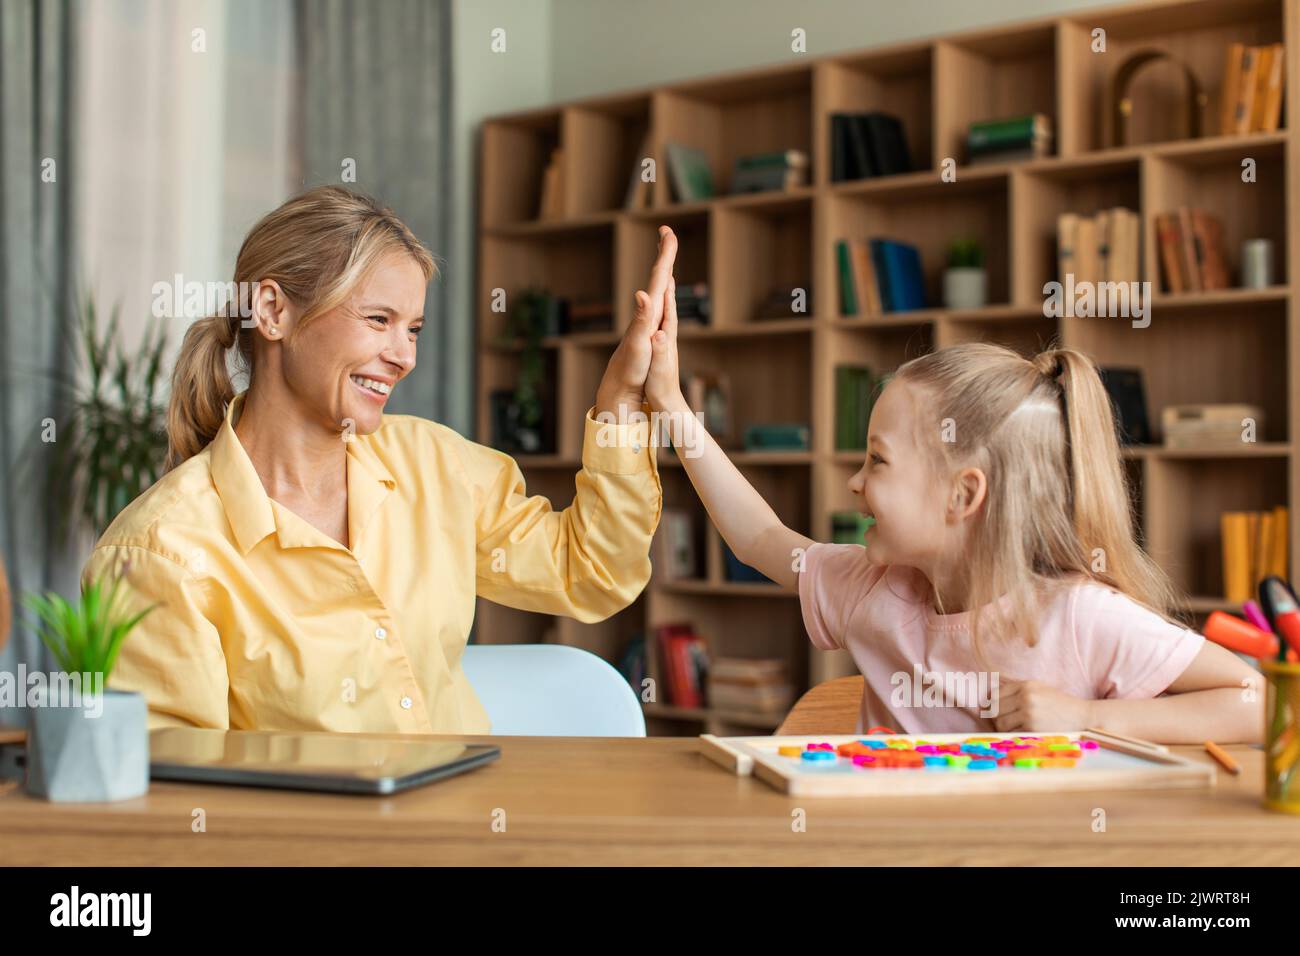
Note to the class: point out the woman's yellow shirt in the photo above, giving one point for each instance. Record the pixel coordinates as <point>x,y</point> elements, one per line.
<point>264,622</point>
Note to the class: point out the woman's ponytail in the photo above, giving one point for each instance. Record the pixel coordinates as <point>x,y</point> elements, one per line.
<point>201,387</point>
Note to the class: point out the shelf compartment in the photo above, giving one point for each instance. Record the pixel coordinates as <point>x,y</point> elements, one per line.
<point>1028,336</point>
<point>930,218</point>
<point>1185,498</point>
<point>638,247</point>
<point>605,139</point>
<point>996,74</point>
<point>756,252</point>
<point>1040,195</point>
<point>1195,33</point>
<point>880,349</point>
<point>577,265</point>
<point>898,81</point>
<point>761,111</point>
<point>499,371</point>
<point>1204,353</point>
<point>513,157</point>
<point>1212,181</point>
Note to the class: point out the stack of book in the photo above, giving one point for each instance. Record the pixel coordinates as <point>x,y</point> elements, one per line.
<point>1192,255</point>
<point>1254,546</point>
<point>756,685</point>
<point>792,301</point>
<point>1105,247</point>
<point>590,315</point>
<point>761,172</point>
<point>694,303</point>
<point>632,663</point>
<point>867,144</point>
<point>683,664</point>
<point>1004,140</point>
<point>879,275</point>
<point>777,436</point>
<point>552,200</point>
<point>672,550</point>
<point>854,392</point>
<point>849,527</point>
<point>1251,98</point>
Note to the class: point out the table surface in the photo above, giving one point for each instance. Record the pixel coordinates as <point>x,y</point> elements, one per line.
<point>651,801</point>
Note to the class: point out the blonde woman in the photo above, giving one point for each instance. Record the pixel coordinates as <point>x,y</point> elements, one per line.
<point>315,562</point>
<point>1002,548</point>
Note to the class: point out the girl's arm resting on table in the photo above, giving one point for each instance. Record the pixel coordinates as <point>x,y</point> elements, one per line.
<point>1218,697</point>
<point>747,522</point>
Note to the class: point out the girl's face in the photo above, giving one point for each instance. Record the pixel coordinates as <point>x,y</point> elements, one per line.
<point>897,485</point>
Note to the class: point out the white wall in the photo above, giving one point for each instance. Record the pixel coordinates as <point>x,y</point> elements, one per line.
<point>605,45</point>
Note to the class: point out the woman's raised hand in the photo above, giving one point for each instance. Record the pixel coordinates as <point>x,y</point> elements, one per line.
<point>624,382</point>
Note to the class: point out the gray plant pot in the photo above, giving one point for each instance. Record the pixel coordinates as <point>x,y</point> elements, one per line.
<point>965,288</point>
<point>92,753</point>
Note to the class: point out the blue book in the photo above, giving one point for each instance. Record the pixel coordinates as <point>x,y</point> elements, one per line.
<point>898,270</point>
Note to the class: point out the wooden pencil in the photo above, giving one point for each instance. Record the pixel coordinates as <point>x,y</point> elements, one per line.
<point>1219,754</point>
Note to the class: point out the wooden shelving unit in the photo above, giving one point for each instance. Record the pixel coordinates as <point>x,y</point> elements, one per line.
<point>1237,345</point>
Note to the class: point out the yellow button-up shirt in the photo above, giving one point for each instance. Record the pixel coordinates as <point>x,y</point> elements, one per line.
<point>264,622</point>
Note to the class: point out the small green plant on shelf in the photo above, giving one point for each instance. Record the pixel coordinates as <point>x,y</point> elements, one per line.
<point>965,254</point>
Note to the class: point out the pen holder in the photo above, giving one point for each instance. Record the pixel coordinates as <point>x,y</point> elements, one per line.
<point>1282,736</point>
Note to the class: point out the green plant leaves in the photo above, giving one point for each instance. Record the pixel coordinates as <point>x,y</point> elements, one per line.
<point>87,638</point>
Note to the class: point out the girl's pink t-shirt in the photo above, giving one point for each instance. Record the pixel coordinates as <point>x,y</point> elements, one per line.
<point>921,672</point>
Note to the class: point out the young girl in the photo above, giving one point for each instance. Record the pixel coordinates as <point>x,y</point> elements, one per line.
<point>1002,550</point>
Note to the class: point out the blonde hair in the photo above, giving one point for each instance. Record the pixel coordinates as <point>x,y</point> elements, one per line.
<point>317,246</point>
<point>1058,505</point>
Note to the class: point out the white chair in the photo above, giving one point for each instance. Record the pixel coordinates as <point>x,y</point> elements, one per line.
<point>551,690</point>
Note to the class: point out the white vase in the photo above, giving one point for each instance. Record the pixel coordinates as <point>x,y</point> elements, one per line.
<point>965,288</point>
<point>93,752</point>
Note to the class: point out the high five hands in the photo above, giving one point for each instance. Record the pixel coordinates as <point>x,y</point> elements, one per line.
<point>644,366</point>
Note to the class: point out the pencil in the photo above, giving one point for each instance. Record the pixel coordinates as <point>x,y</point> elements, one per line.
<point>1219,754</point>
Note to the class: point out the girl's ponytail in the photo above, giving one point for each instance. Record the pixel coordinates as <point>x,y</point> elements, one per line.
<point>201,387</point>
<point>1101,507</point>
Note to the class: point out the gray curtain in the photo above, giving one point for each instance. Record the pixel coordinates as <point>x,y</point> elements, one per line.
<point>36,273</point>
<point>376,89</point>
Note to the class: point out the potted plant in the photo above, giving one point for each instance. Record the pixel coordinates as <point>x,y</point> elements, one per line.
<point>86,743</point>
<point>529,322</point>
<point>965,283</point>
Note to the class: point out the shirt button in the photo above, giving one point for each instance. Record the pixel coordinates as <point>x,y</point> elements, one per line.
<point>406,703</point>
<point>380,633</point>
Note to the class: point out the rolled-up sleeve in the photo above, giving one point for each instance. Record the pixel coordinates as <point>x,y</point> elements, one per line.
<point>174,655</point>
<point>587,561</point>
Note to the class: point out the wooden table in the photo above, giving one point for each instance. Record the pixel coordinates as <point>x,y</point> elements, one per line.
<point>647,802</point>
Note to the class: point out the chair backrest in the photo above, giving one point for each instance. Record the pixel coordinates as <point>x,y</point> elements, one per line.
<point>831,707</point>
<point>551,690</point>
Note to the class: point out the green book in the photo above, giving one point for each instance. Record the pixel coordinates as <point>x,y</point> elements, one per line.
<point>848,297</point>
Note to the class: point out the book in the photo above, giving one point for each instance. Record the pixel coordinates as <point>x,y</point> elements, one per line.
<point>1190,254</point>
<point>898,272</point>
<point>1254,545</point>
<point>1003,140</point>
<point>864,278</point>
<point>1208,232</point>
<point>848,527</point>
<point>689,173</point>
<point>551,205</point>
<point>1271,114</point>
<point>1263,76</point>
<point>1128,399</point>
<point>1230,88</point>
<point>853,391</point>
<point>867,144</point>
<point>1085,250</point>
<point>1244,107</point>
<point>778,436</point>
<point>848,289</point>
<point>1102,230</point>
<point>1067,229</point>
<point>1171,258</point>
<point>762,172</point>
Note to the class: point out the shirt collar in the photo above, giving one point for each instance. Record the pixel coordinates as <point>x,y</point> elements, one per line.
<point>252,513</point>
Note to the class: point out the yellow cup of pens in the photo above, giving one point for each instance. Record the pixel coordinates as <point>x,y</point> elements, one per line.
<point>1282,736</point>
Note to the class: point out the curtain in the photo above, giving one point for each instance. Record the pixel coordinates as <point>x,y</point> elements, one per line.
<point>36,172</point>
<point>376,96</point>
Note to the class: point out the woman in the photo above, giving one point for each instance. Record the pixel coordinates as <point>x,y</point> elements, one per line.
<point>315,562</point>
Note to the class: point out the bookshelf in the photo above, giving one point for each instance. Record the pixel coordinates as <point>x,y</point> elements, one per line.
<point>1234,345</point>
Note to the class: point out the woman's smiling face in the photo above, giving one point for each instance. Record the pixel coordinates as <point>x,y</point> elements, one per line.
<point>896,485</point>
<point>344,363</point>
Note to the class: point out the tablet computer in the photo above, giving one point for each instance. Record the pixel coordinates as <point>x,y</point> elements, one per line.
<point>339,763</point>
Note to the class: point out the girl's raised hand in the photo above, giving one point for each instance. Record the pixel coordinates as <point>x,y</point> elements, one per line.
<point>663,387</point>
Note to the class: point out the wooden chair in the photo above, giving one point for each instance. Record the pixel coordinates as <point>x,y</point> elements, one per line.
<point>829,708</point>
